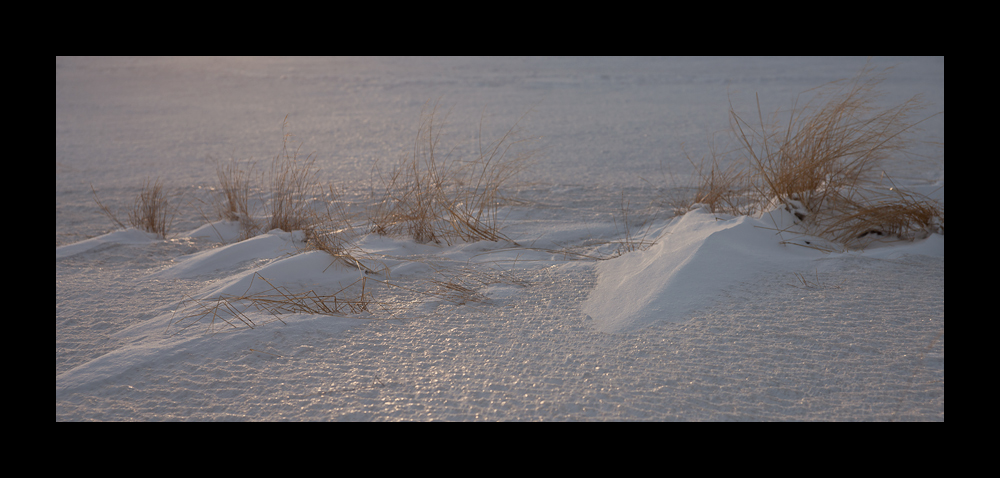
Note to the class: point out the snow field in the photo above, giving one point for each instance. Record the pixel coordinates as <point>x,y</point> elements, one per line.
<point>721,319</point>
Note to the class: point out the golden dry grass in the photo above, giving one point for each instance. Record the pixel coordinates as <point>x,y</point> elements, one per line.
<point>285,194</point>
<point>824,163</point>
<point>876,214</point>
<point>433,197</point>
<point>150,211</point>
<point>428,196</point>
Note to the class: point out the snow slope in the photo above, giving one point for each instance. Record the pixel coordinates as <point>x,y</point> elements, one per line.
<point>721,319</point>
<point>698,256</point>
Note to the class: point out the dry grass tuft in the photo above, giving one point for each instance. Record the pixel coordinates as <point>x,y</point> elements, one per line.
<point>427,196</point>
<point>150,210</point>
<point>824,164</point>
<point>235,183</point>
<point>434,198</point>
<point>292,186</point>
<point>286,192</point>
<point>879,214</point>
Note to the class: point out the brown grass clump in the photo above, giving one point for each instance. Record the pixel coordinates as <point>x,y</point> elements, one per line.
<point>290,198</point>
<point>150,210</point>
<point>434,198</point>
<point>292,186</point>
<point>427,196</point>
<point>824,165</point>
<point>286,193</point>
<point>881,214</point>
<point>234,205</point>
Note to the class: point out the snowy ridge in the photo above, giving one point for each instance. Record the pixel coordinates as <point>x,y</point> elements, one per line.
<point>699,255</point>
<point>128,236</point>
<point>696,256</point>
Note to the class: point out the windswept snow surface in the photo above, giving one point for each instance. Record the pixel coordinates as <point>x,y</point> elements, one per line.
<point>721,318</point>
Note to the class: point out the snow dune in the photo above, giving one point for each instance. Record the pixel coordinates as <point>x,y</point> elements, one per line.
<point>723,318</point>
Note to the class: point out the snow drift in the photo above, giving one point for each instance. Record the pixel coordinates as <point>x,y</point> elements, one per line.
<point>695,258</point>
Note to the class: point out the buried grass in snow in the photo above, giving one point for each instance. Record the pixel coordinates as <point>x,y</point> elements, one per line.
<point>355,298</point>
<point>362,299</point>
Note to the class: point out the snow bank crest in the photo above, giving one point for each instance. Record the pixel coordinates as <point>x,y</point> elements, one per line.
<point>127,236</point>
<point>271,245</point>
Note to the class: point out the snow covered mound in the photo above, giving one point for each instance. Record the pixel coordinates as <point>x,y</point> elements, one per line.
<point>268,246</point>
<point>127,236</point>
<point>695,258</point>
